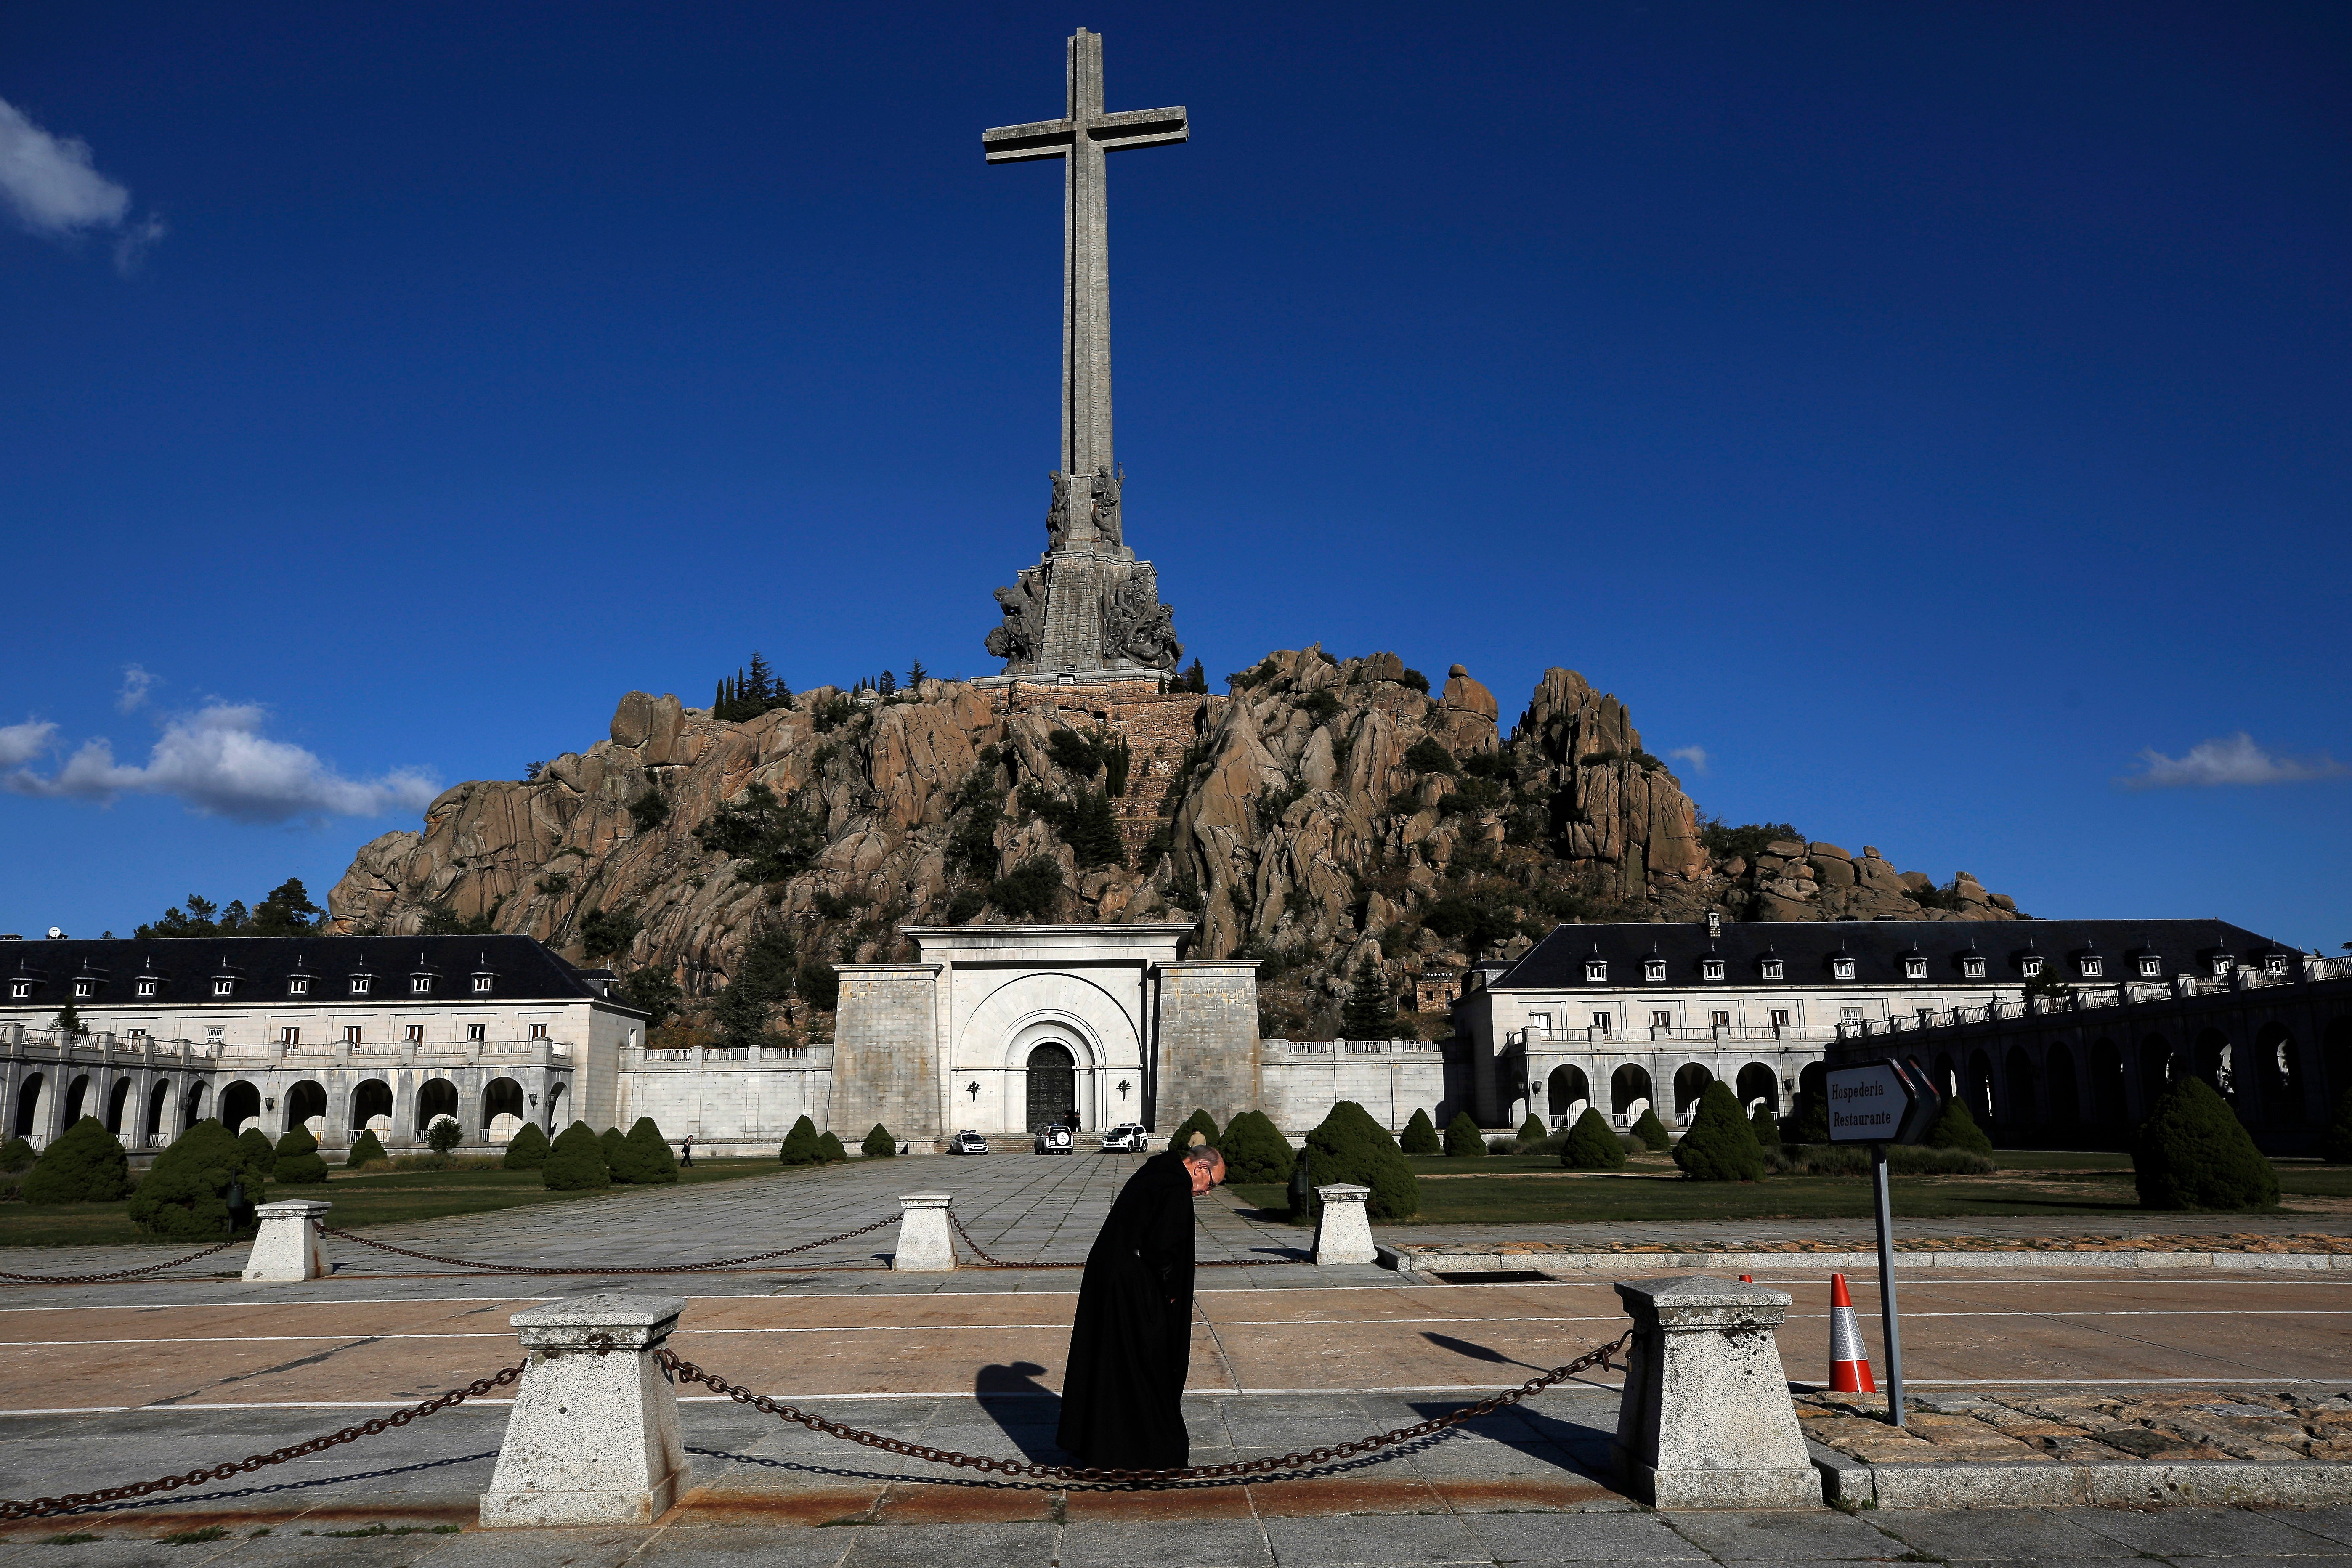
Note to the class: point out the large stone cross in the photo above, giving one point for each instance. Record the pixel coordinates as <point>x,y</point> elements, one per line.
<point>1080,138</point>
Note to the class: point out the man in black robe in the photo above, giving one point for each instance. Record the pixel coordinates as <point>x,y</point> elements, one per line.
<point>1123,1392</point>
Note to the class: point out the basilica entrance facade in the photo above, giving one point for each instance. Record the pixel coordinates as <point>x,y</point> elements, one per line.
<point>1053,1088</point>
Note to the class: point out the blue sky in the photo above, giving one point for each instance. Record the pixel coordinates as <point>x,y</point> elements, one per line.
<point>1935,416</point>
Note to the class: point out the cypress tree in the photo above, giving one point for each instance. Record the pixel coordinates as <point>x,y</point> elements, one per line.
<point>527,1149</point>
<point>261,1154</point>
<point>1719,1146</point>
<point>185,1195</point>
<point>1593,1144</point>
<point>1462,1139</point>
<point>1370,1011</point>
<point>1809,1121</point>
<point>1953,1129</point>
<point>2193,1153</point>
<point>829,1150</point>
<point>1349,1147</point>
<point>85,1165</point>
<point>367,1146</point>
<point>1652,1132</point>
<point>1094,837</point>
<point>878,1145</point>
<point>576,1163</point>
<point>1421,1135</point>
<point>1255,1150</point>
<point>1200,1121</point>
<point>1533,1130</point>
<point>799,1146</point>
<point>617,1159</point>
<point>645,1158</point>
<point>299,1163</point>
<point>1766,1127</point>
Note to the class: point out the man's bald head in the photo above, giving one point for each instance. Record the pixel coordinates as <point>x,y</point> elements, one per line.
<point>1206,1165</point>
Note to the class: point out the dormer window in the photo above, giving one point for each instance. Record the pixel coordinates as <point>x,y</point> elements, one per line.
<point>1972,966</point>
<point>84,988</point>
<point>299,985</point>
<point>1915,966</point>
<point>420,986</point>
<point>2029,965</point>
<point>1842,967</point>
<point>1653,969</point>
<point>20,990</point>
<point>2275,964</point>
<point>482,984</point>
<point>361,984</point>
<point>1710,969</point>
<point>1596,970</point>
<point>2221,963</point>
<point>145,988</point>
<point>2090,966</point>
<point>2151,967</point>
<point>1772,968</point>
<point>224,985</point>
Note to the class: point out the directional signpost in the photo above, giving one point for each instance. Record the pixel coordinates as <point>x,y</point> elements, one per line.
<point>1878,1103</point>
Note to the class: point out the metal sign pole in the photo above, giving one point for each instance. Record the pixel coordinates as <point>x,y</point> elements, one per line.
<point>1890,1325</point>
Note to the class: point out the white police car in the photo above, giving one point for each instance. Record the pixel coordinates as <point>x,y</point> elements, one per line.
<point>1128,1136</point>
<point>966,1142</point>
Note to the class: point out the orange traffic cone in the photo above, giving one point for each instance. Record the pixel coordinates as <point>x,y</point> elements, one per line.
<point>1849,1362</point>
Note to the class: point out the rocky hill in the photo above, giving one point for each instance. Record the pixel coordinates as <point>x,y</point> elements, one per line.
<point>1327,814</point>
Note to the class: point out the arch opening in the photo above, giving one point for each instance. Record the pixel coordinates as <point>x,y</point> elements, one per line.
<point>502,1110</point>
<point>1052,1094</point>
<point>158,1105</point>
<point>1758,1084</point>
<point>240,1102</point>
<point>435,1098</point>
<point>372,1109</point>
<point>306,1107</point>
<point>1690,1082</point>
<point>1568,1092</point>
<point>28,1105</point>
<point>1629,1091</point>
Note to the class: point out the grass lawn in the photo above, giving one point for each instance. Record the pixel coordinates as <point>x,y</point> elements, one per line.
<point>387,1198</point>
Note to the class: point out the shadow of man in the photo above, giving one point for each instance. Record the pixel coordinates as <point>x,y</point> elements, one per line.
<point>1022,1408</point>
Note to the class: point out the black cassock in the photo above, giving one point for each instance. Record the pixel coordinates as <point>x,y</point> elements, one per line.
<point>1123,1392</point>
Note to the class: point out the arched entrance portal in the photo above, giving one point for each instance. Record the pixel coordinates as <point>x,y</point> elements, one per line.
<point>1052,1085</point>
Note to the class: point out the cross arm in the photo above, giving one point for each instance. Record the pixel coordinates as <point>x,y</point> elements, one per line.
<point>1140,128</point>
<point>1028,144</point>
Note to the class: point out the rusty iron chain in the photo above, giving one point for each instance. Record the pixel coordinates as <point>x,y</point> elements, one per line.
<point>118,1274</point>
<point>40,1507</point>
<point>994,1262</point>
<point>590,1268</point>
<point>1065,1477</point>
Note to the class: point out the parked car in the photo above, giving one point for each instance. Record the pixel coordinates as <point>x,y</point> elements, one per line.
<point>1054,1140</point>
<point>1128,1136</point>
<point>966,1142</point>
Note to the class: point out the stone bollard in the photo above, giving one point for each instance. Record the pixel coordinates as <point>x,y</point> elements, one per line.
<point>1343,1234</point>
<point>1706,1420</point>
<point>594,1438</point>
<point>287,1248</point>
<point>924,1245</point>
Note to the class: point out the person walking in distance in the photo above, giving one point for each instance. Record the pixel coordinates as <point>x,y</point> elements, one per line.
<point>1132,1343</point>
<point>685,1150</point>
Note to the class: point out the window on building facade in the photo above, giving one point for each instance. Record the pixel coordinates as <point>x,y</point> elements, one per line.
<point>85,989</point>
<point>2029,967</point>
<point>1710,969</point>
<point>1600,1023</point>
<point>477,1031</point>
<point>145,988</point>
<point>1772,969</point>
<point>1849,1015</point>
<point>289,1035</point>
<point>1596,970</point>
<point>20,990</point>
<point>215,1034</point>
<point>300,985</point>
<point>2275,964</point>
<point>1973,968</point>
<point>2092,966</point>
<point>1660,1020</point>
<point>1653,969</point>
<point>1780,1017</point>
<point>539,1031</point>
<point>1840,968</point>
<point>420,986</point>
<point>2150,966</point>
<point>1720,1018</point>
<point>361,984</point>
<point>134,1032</point>
<point>413,1034</point>
<point>481,986</point>
<point>1539,1022</point>
<point>224,987</point>
<point>350,1034</point>
<point>2221,963</point>
<point>1914,969</point>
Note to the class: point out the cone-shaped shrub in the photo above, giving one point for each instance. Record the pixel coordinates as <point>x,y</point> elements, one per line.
<point>1765,1126</point>
<point>1953,1129</point>
<point>298,1159</point>
<point>1419,1136</point>
<point>1350,1147</point>
<point>1719,1146</point>
<point>1593,1144</point>
<point>85,1165</point>
<point>645,1160</point>
<point>2194,1154</point>
<point>1255,1150</point>
<point>1200,1121</point>
<point>15,1155</point>
<point>1652,1132</point>
<point>1533,1130</point>
<point>1809,1121</point>
<point>614,1143</point>
<point>878,1145</point>
<point>260,1153</point>
<point>367,1146</point>
<point>1462,1139</point>
<point>2335,1147</point>
<point>576,1163</point>
<point>185,1195</point>
<point>527,1149</point>
<point>800,1145</point>
<point>829,1149</point>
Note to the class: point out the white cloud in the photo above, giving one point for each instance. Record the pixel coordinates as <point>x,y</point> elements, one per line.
<point>218,761</point>
<point>20,743</point>
<point>2235,760</point>
<point>135,684</point>
<point>1694,756</point>
<point>54,190</point>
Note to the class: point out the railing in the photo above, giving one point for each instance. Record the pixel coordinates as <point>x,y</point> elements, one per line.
<point>1725,1034</point>
<point>1355,1047</point>
<point>712,1056</point>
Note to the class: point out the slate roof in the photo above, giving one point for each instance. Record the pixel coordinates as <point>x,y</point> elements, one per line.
<point>1806,948</point>
<point>521,970</point>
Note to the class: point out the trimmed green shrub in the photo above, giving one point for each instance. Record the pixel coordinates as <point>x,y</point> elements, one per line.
<point>1462,1138</point>
<point>527,1149</point>
<point>1652,1131</point>
<point>1255,1150</point>
<point>1719,1146</point>
<point>645,1160</point>
<point>260,1153</point>
<point>1349,1146</point>
<point>2335,1147</point>
<point>1593,1144</point>
<point>85,1165</point>
<point>1420,1135</point>
<point>1533,1130</point>
<point>367,1146</point>
<point>16,1154</point>
<point>576,1163</point>
<point>444,1135</point>
<point>614,1143</point>
<point>1200,1121</point>
<point>801,1147</point>
<point>298,1159</point>
<point>1953,1129</point>
<point>829,1149</point>
<point>878,1145</point>
<point>185,1195</point>
<point>2194,1154</point>
<point>1502,1145</point>
<point>1808,1120</point>
<point>1765,1125</point>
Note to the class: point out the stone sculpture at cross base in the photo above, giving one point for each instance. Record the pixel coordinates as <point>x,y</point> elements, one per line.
<point>1706,1420</point>
<point>1088,609</point>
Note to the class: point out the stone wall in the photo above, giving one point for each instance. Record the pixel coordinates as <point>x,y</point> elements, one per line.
<point>1300,1080</point>
<point>1159,728</point>
<point>893,1076</point>
<point>1207,1028</point>
<point>726,1097</point>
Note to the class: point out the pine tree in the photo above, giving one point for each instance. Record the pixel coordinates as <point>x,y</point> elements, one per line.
<point>829,1150</point>
<point>915,675</point>
<point>85,1165</point>
<point>1533,1130</point>
<point>888,684</point>
<point>2192,1153</point>
<point>759,685</point>
<point>1254,1149</point>
<point>366,1148</point>
<point>577,1163</point>
<point>801,1146</point>
<point>1953,1129</point>
<point>1200,1121</point>
<point>1767,1127</point>
<point>1719,1146</point>
<point>878,1145</point>
<point>1593,1144</point>
<point>1652,1132</point>
<point>1462,1140</point>
<point>1420,1135</point>
<point>644,1159</point>
<point>527,1149</point>
<point>1094,835</point>
<point>298,1159</point>
<point>1370,1012</point>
